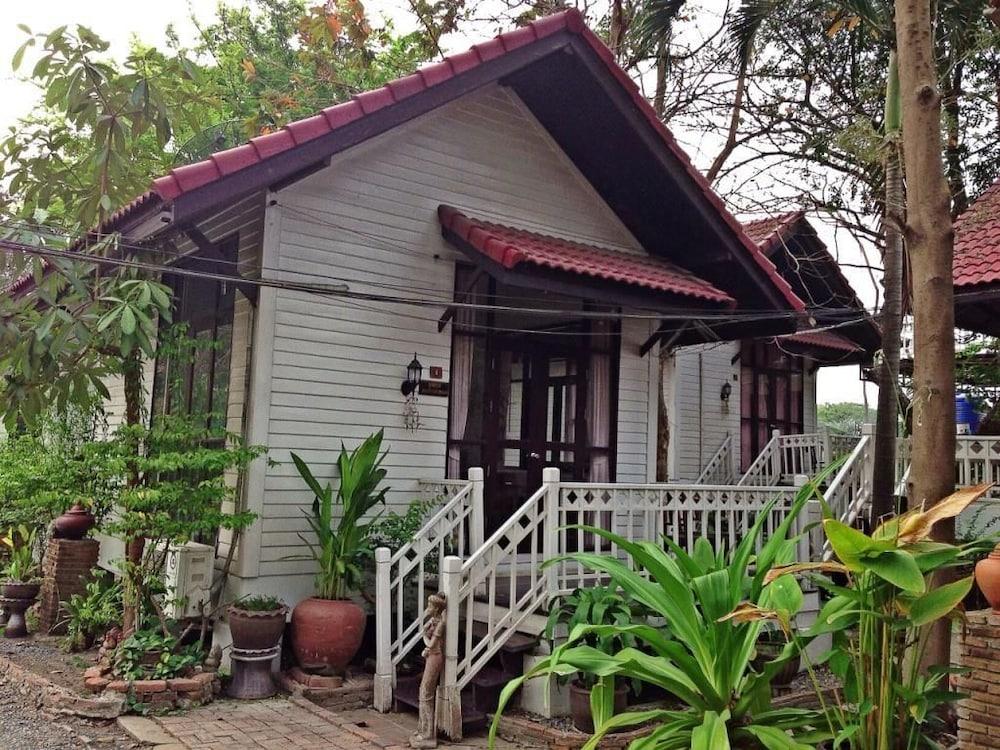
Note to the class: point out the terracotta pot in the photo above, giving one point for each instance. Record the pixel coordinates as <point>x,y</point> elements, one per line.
<point>253,630</point>
<point>579,706</point>
<point>326,634</point>
<point>767,651</point>
<point>988,578</point>
<point>19,590</point>
<point>74,523</point>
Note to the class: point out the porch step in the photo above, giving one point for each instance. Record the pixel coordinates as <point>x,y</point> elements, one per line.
<point>533,625</point>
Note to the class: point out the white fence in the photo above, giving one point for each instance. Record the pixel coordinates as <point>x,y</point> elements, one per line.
<point>721,467</point>
<point>787,456</point>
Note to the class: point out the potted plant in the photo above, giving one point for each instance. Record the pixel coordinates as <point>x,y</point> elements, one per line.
<point>21,579</point>
<point>257,622</point>
<point>327,629</point>
<point>600,605</point>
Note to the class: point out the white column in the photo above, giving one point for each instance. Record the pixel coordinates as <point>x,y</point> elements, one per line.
<point>449,699</point>
<point>775,458</point>
<point>477,517</point>
<point>384,672</point>
<point>550,545</point>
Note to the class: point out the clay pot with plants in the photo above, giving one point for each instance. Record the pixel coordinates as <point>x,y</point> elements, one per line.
<point>327,629</point>
<point>21,583</point>
<point>257,622</point>
<point>600,605</point>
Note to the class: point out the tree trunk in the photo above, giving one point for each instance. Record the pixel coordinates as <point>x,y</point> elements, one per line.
<point>663,424</point>
<point>929,242</point>
<point>660,91</point>
<point>953,149</point>
<point>887,416</point>
<point>734,124</point>
<point>134,547</point>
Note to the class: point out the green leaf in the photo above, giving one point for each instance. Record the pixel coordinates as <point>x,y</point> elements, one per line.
<point>18,57</point>
<point>849,544</point>
<point>128,321</point>
<point>898,568</point>
<point>938,602</point>
<point>713,734</point>
<point>775,739</point>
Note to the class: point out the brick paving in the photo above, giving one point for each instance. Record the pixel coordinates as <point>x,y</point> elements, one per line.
<point>289,723</point>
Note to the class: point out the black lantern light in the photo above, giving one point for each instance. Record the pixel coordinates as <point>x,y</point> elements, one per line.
<point>727,390</point>
<point>413,372</point>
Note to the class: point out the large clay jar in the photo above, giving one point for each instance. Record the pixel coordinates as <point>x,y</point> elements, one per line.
<point>255,631</point>
<point>326,634</point>
<point>74,523</point>
<point>988,578</point>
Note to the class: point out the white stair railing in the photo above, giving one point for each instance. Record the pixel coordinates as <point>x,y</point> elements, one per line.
<point>849,494</point>
<point>719,469</point>
<point>405,578</point>
<point>765,471</point>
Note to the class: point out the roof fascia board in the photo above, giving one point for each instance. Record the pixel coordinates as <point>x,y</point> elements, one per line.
<point>194,204</point>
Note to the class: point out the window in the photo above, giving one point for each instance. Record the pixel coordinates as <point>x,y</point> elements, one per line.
<point>770,397</point>
<point>194,380</point>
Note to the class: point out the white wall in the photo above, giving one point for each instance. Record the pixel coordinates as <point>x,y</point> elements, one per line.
<point>701,420</point>
<point>369,220</point>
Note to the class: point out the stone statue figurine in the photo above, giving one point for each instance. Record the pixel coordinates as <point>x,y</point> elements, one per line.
<point>434,621</point>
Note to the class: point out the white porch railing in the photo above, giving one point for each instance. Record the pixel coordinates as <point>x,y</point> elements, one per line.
<point>787,456</point>
<point>721,468</point>
<point>404,579</point>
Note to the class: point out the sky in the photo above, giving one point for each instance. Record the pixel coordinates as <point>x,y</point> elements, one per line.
<point>118,21</point>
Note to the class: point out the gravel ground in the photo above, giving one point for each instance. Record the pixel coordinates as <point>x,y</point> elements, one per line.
<point>24,727</point>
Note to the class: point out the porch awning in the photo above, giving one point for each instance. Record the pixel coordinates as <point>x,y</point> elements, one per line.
<point>825,347</point>
<point>504,248</point>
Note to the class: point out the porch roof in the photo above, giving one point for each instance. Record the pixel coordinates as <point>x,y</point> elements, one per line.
<point>512,248</point>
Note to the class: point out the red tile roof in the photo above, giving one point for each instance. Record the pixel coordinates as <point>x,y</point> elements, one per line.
<point>766,232</point>
<point>977,241</point>
<point>512,247</point>
<point>824,340</point>
<point>187,178</point>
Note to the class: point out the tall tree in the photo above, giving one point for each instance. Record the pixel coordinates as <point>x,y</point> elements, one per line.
<point>929,241</point>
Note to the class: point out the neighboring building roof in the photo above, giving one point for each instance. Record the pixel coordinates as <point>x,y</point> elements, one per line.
<point>513,57</point>
<point>789,236</point>
<point>511,247</point>
<point>977,241</point>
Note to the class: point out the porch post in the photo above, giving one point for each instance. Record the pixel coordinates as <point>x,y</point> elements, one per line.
<point>776,459</point>
<point>802,521</point>
<point>827,456</point>
<point>383,682</point>
<point>449,698</point>
<point>477,518</point>
<point>550,545</point>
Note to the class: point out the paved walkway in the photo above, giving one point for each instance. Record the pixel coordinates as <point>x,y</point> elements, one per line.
<point>285,723</point>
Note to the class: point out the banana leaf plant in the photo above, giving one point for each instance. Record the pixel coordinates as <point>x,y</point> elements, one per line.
<point>343,544</point>
<point>880,622</point>
<point>702,657</point>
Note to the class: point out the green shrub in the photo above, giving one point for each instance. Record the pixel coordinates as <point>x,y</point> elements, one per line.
<point>89,615</point>
<point>152,655</point>
<point>259,603</point>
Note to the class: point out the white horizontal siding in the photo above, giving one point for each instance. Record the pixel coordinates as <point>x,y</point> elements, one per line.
<point>370,220</point>
<point>701,419</point>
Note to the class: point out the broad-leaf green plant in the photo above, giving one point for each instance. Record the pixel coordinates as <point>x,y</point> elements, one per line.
<point>702,656</point>
<point>880,622</point>
<point>343,544</point>
<point>21,566</point>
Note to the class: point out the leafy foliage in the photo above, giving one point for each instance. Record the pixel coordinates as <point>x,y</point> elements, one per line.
<point>702,656</point>
<point>340,550</point>
<point>21,552</point>
<point>844,417</point>
<point>89,615</point>
<point>259,603</point>
<point>879,621</point>
<point>153,655</point>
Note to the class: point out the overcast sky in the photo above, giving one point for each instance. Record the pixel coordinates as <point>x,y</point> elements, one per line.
<point>117,21</point>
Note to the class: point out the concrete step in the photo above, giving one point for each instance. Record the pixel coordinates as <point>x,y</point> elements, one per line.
<point>532,625</point>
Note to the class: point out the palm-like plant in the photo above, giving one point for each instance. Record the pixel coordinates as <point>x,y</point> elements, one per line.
<point>342,545</point>
<point>703,655</point>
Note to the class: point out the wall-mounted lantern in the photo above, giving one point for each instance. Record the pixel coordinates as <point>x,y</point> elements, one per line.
<point>727,391</point>
<point>413,372</point>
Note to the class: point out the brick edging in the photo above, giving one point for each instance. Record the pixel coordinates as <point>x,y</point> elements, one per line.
<point>57,697</point>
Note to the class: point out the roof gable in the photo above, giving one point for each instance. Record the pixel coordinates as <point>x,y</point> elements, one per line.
<point>977,241</point>
<point>569,80</point>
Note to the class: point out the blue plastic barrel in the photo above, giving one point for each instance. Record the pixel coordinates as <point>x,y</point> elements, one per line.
<point>965,413</point>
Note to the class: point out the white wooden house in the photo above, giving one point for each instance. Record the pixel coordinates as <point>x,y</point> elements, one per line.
<point>518,220</point>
